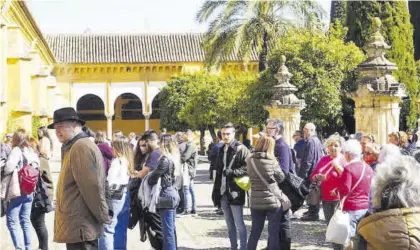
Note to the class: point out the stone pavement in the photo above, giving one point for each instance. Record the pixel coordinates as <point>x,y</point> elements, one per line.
<point>205,231</point>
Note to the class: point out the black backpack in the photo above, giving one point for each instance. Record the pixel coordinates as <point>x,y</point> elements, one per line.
<point>41,199</point>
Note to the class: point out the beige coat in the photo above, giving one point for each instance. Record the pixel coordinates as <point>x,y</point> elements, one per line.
<point>81,208</point>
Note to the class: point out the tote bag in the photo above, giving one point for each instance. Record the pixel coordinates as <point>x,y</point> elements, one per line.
<point>13,190</point>
<point>338,229</point>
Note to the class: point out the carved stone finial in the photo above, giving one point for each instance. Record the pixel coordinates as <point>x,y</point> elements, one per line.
<point>283,92</point>
<point>376,71</point>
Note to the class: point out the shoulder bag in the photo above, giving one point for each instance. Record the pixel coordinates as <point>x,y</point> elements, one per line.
<point>314,197</point>
<point>244,182</point>
<point>282,199</point>
<point>338,229</point>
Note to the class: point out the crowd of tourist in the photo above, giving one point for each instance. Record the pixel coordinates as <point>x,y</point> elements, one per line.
<point>106,187</point>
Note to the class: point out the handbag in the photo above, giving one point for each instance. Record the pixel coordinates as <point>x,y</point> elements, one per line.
<point>13,190</point>
<point>295,189</point>
<point>243,182</point>
<point>314,197</point>
<point>338,229</point>
<point>116,192</point>
<point>282,199</point>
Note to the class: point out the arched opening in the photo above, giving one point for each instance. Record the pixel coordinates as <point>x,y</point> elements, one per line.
<point>128,114</point>
<point>155,116</point>
<point>155,107</point>
<point>91,108</point>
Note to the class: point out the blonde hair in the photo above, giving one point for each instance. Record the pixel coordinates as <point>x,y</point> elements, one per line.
<point>20,139</point>
<point>122,148</point>
<point>171,150</point>
<point>401,137</point>
<point>266,144</point>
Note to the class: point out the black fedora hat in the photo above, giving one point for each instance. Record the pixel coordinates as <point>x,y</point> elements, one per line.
<point>65,114</point>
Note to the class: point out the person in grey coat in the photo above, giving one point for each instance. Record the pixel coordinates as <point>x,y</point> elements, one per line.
<point>263,168</point>
<point>312,153</point>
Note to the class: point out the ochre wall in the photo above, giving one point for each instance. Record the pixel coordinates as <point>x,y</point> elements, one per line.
<point>127,126</point>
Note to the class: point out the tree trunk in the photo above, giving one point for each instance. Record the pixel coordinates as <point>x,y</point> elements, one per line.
<point>202,141</point>
<point>262,64</point>
<point>414,8</point>
<point>213,133</point>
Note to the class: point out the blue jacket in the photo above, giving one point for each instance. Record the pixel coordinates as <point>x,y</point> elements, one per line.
<point>284,156</point>
<point>299,148</point>
<point>312,153</point>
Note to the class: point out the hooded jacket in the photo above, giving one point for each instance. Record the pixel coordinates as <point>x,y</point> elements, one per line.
<point>393,229</point>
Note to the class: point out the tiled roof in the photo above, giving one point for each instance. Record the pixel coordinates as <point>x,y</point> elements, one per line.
<point>135,48</point>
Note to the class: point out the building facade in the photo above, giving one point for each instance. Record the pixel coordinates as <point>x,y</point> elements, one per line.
<point>112,80</point>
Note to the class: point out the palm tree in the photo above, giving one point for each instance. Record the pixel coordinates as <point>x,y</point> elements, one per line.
<point>242,28</point>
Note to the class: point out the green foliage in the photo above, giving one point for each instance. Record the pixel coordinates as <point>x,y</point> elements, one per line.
<point>206,101</point>
<point>320,64</point>
<point>173,98</point>
<point>243,27</point>
<point>338,11</point>
<point>397,31</point>
<point>36,123</point>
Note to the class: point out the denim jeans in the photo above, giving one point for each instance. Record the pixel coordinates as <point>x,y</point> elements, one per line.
<point>355,217</point>
<point>115,234</point>
<point>234,218</point>
<point>258,221</point>
<point>189,190</point>
<point>19,210</point>
<point>167,217</point>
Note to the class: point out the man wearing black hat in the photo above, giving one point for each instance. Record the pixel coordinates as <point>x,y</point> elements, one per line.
<point>81,209</point>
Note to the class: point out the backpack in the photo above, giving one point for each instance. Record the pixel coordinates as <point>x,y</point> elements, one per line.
<point>28,177</point>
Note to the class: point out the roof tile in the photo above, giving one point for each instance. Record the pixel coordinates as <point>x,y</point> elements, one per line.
<point>138,48</point>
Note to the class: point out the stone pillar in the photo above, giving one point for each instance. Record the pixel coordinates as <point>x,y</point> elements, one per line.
<point>147,120</point>
<point>109,127</point>
<point>378,95</point>
<point>284,104</point>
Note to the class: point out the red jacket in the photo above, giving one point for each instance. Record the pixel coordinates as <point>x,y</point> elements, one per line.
<point>333,178</point>
<point>359,198</point>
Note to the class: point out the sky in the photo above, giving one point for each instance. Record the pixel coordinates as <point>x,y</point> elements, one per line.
<point>119,16</point>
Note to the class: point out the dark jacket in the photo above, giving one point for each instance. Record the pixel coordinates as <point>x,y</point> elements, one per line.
<point>81,208</point>
<point>284,156</point>
<point>262,198</point>
<point>214,154</point>
<point>312,153</point>
<point>165,170</point>
<point>44,191</point>
<point>235,195</point>
<point>299,147</point>
<point>189,156</point>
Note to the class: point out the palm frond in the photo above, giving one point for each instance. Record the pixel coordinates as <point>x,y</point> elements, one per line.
<point>208,8</point>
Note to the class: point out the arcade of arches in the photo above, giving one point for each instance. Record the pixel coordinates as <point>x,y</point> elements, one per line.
<point>128,114</point>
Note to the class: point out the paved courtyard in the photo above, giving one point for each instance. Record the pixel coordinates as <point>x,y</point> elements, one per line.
<point>205,231</point>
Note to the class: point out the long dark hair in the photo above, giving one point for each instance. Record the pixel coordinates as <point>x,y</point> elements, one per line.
<point>139,157</point>
<point>45,133</point>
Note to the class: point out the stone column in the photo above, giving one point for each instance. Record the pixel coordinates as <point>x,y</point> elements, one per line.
<point>147,120</point>
<point>109,127</point>
<point>378,95</point>
<point>284,104</point>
